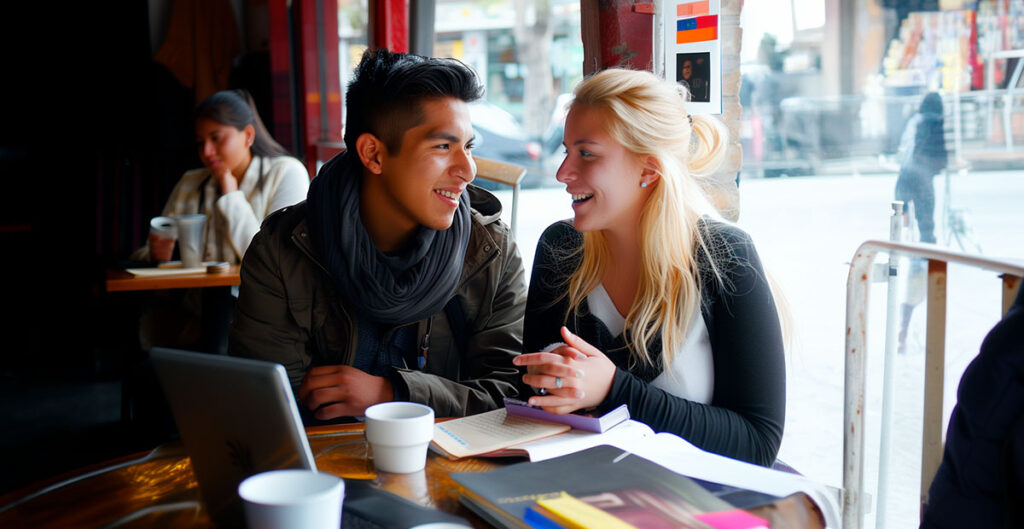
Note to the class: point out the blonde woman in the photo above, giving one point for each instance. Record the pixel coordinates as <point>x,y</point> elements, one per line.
<point>648,297</point>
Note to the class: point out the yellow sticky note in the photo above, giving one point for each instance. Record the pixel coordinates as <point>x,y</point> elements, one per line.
<point>575,514</point>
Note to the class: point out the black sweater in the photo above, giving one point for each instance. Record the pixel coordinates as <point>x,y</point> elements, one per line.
<point>981,479</point>
<point>745,417</point>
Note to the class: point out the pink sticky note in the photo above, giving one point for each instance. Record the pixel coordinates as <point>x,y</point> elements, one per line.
<point>736,519</point>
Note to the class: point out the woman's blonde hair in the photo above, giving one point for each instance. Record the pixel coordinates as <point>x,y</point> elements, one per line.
<point>648,117</point>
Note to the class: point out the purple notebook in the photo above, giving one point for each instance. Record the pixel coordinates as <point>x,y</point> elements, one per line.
<point>580,422</point>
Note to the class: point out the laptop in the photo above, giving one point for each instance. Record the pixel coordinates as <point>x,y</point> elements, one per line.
<point>237,417</point>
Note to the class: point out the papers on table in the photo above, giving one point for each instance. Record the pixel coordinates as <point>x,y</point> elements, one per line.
<point>160,272</point>
<point>680,456</point>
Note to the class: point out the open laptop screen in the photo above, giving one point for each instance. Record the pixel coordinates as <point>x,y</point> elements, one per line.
<point>237,417</point>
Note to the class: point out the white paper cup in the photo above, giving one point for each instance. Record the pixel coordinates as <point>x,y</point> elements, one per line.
<point>399,433</point>
<point>164,227</point>
<point>190,239</point>
<point>286,499</point>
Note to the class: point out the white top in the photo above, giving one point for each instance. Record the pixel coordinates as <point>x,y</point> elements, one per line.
<point>234,218</point>
<point>691,374</point>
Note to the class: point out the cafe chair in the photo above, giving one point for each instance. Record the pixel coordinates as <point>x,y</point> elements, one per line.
<point>503,173</point>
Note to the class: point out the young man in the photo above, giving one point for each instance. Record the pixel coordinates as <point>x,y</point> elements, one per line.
<point>395,280</point>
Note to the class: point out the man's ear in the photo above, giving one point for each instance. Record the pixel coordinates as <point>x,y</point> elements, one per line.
<point>651,171</point>
<point>371,152</point>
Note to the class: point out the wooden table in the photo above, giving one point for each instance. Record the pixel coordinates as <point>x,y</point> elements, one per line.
<point>121,281</point>
<point>159,489</point>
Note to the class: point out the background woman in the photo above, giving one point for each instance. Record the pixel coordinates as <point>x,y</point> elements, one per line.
<point>665,306</point>
<point>246,176</point>
<point>922,155</point>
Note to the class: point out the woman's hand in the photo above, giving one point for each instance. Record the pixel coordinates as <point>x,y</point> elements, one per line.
<point>160,248</point>
<point>575,375</point>
<point>225,180</point>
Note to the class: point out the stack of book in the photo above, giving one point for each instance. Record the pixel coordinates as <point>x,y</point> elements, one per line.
<point>616,473</point>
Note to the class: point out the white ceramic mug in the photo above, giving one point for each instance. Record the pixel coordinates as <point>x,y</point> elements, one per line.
<point>399,433</point>
<point>164,227</point>
<point>190,239</point>
<point>286,499</point>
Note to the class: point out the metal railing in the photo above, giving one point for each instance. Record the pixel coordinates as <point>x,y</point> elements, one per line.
<point>857,289</point>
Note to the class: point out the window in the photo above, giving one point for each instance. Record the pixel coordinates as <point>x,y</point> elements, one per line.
<point>828,130</point>
<point>527,54</point>
<point>352,37</point>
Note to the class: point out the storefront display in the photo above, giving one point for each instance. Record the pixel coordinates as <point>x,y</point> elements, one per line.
<point>946,50</point>
<point>934,51</point>
<point>1000,27</point>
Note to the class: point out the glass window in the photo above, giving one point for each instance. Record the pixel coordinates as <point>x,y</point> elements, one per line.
<point>352,37</point>
<point>832,134</point>
<point>527,54</point>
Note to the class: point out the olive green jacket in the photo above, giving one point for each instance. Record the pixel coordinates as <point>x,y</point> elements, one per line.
<point>290,312</point>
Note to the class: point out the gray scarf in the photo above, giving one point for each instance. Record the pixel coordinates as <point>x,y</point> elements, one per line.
<point>390,289</point>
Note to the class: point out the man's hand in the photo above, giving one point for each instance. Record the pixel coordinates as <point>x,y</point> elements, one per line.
<point>575,376</point>
<point>342,391</point>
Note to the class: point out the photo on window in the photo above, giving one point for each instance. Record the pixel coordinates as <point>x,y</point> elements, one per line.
<point>693,70</point>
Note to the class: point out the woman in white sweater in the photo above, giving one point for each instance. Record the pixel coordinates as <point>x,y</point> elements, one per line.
<point>246,177</point>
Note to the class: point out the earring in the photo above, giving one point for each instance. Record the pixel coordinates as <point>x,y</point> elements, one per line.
<point>643,184</point>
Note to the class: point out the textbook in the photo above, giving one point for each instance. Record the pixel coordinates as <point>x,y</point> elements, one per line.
<point>522,430</point>
<point>736,479</point>
<point>621,485</point>
<point>578,421</point>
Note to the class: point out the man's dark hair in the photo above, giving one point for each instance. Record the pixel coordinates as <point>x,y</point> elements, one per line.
<point>385,93</point>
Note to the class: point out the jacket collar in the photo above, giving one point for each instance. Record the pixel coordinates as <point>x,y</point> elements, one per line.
<point>486,207</point>
<point>485,210</point>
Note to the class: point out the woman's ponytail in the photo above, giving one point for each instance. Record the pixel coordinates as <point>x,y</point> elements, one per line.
<point>707,144</point>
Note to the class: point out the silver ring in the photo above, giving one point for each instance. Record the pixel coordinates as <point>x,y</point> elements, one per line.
<point>542,391</point>
<point>558,382</point>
